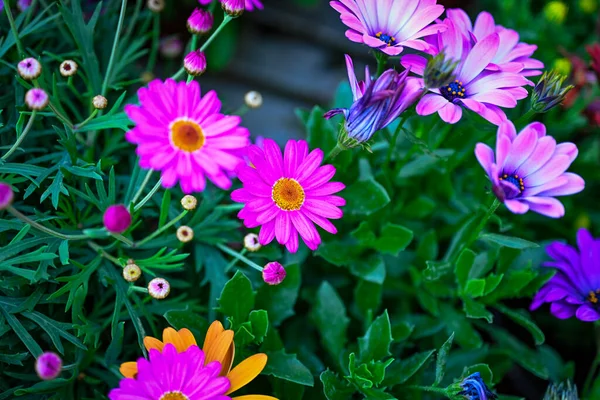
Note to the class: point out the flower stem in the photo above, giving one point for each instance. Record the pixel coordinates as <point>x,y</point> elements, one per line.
<point>525,118</point>
<point>104,253</point>
<point>41,227</point>
<point>142,186</point>
<point>13,27</point>
<point>229,207</point>
<point>234,261</point>
<point>333,153</point>
<point>123,239</point>
<point>429,389</point>
<point>392,143</point>
<point>160,230</point>
<point>88,119</point>
<point>114,48</point>
<point>239,256</point>
<point>134,288</point>
<point>382,59</point>
<point>64,119</point>
<point>21,137</point>
<point>148,196</point>
<point>155,42</point>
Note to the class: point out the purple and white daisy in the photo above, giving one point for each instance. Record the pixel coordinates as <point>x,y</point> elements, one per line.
<point>512,55</point>
<point>528,169</point>
<point>172,375</point>
<point>476,88</point>
<point>390,25</point>
<point>376,103</point>
<point>575,289</point>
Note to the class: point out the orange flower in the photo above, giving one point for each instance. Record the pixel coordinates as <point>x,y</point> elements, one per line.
<point>218,346</point>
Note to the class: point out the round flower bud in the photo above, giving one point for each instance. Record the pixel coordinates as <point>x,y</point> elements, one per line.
<point>68,68</point>
<point>273,273</point>
<point>171,47</point>
<point>99,102</point>
<point>189,202</point>
<point>233,8</point>
<point>185,234</point>
<point>200,22</point>
<point>159,288</point>
<point>6,195</point>
<point>156,5</point>
<point>117,218</point>
<point>253,99</point>
<point>36,99</point>
<point>556,12</point>
<point>146,76</point>
<point>251,242</point>
<point>195,63</point>
<point>48,365</point>
<point>132,272</point>
<point>29,68</point>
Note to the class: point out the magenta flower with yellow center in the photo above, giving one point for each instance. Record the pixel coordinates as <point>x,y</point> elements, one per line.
<point>183,134</point>
<point>288,194</point>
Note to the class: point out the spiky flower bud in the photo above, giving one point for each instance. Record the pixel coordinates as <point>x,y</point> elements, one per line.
<point>68,68</point>
<point>99,102</point>
<point>562,391</point>
<point>474,388</point>
<point>549,92</point>
<point>439,71</point>
<point>233,8</point>
<point>200,22</point>
<point>195,63</point>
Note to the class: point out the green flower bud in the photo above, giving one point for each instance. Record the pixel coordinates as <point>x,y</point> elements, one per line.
<point>563,391</point>
<point>549,92</point>
<point>439,71</point>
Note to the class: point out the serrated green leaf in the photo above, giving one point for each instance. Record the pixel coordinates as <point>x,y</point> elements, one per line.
<point>21,332</point>
<point>371,269</point>
<point>334,388</point>
<point>475,288</point>
<point>393,239</point>
<point>364,198</point>
<point>402,370</point>
<point>260,324</point>
<point>375,345</point>
<point>367,296</point>
<point>463,266</point>
<point>456,322</point>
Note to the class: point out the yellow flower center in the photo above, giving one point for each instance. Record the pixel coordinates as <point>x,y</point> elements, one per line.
<point>287,194</point>
<point>175,395</point>
<point>187,135</point>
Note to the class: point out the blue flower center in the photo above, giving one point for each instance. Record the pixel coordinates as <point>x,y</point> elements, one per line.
<point>384,37</point>
<point>515,180</point>
<point>453,91</point>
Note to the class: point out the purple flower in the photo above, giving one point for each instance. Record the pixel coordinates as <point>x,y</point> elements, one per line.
<point>474,388</point>
<point>48,365</point>
<point>173,375</point>
<point>575,289</point>
<point>528,170</point>
<point>117,218</point>
<point>36,99</point>
<point>376,103</point>
<point>512,55</point>
<point>475,87</point>
<point>390,25</point>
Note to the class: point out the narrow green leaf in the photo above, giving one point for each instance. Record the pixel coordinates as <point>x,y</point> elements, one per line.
<point>508,241</point>
<point>22,333</point>
<point>402,370</point>
<point>463,266</point>
<point>63,252</point>
<point>522,318</point>
<point>440,367</point>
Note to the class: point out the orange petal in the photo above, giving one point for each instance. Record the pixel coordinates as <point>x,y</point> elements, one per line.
<point>215,329</point>
<point>246,371</point>
<point>254,397</point>
<point>153,343</point>
<point>129,369</point>
<point>171,336</point>
<point>228,360</point>
<point>218,350</point>
<point>187,338</point>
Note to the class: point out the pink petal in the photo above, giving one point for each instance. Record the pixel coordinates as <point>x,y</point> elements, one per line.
<point>517,206</point>
<point>479,57</point>
<point>547,206</point>
<point>450,113</point>
<point>431,103</point>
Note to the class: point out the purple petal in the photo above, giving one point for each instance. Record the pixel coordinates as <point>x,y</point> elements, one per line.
<point>538,128</point>
<point>484,25</point>
<point>568,149</point>
<point>415,63</point>
<point>587,313</point>
<point>520,150</point>
<point>562,310</point>
<point>352,77</point>
<point>574,184</point>
<point>498,97</point>
<point>460,18</point>
<point>552,169</point>
<point>485,156</point>
<point>431,103</point>
<point>516,206</point>
<point>479,57</point>
<point>503,146</point>
<point>547,206</point>
<point>450,113</point>
<point>541,154</point>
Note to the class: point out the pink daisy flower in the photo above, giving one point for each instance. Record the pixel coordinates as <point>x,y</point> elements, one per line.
<point>182,134</point>
<point>288,194</point>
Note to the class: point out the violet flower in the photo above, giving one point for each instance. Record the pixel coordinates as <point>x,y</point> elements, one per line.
<point>376,102</point>
<point>575,289</point>
<point>528,169</point>
<point>390,25</point>
<point>474,388</point>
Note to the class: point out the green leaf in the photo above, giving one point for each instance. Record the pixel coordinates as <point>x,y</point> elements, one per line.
<point>364,198</point>
<point>321,133</point>
<point>473,309</point>
<point>364,234</point>
<point>22,333</point>
<point>13,359</point>
<point>375,345</point>
<point>456,322</point>
<point>237,298</point>
<point>63,252</point>
<point>286,366</point>
<point>260,324</point>
<point>508,241</point>
<point>371,269</point>
<point>440,367</point>
<point>187,318</point>
<point>334,388</point>
<point>329,315</point>
<point>164,208</point>
<point>279,300</point>
<point>402,330</point>
<point>483,369</point>
<point>54,329</point>
<point>393,239</point>
<point>116,344</point>
<point>367,296</point>
<point>402,370</point>
<point>336,253</point>
<point>475,287</point>
<point>436,269</point>
<point>463,266</point>
<point>522,318</point>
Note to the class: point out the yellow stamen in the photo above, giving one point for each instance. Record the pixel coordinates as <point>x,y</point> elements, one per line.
<point>592,297</point>
<point>187,135</point>
<point>174,395</point>
<point>288,194</point>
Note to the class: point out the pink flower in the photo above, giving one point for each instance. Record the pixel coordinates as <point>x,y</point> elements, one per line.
<point>200,22</point>
<point>233,8</point>
<point>184,135</point>
<point>288,194</point>
<point>48,365</point>
<point>36,99</point>
<point>117,218</point>
<point>390,25</point>
<point>273,273</point>
<point>512,55</point>
<point>475,88</point>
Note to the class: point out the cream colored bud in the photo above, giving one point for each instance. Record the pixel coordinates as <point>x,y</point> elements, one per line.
<point>68,68</point>
<point>253,99</point>
<point>131,272</point>
<point>251,242</point>
<point>189,202</point>
<point>185,234</point>
<point>156,5</point>
<point>99,102</point>
<point>159,288</point>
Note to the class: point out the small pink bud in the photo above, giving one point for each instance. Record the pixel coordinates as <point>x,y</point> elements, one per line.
<point>195,63</point>
<point>6,195</point>
<point>273,273</point>
<point>200,22</point>
<point>36,99</point>
<point>233,8</point>
<point>117,218</point>
<point>48,366</point>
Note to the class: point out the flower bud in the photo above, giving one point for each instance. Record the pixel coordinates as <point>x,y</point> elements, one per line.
<point>6,195</point>
<point>131,272</point>
<point>189,202</point>
<point>48,365</point>
<point>195,63</point>
<point>439,71</point>
<point>251,242</point>
<point>556,12</point>
<point>273,273</point>
<point>253,99</point>
<point>147,76</point>
<point>159,288</point>
<point>563,391</point>
<point>36,99</point>
<point>233,8</point>
<point>474,388</point>
<point>200,22</point>
<point>156,5</point>
<point>68,68</point>
<point>185,234</point>
<point>29,68</point>
<point>171,47</point>
<point>549,92</point>
<point>99,102</point>
<point>117,218</point>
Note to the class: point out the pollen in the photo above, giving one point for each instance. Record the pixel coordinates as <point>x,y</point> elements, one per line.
<point>453,91</point>
<point>187,135</point>
<point>288,194</point>
<point>390,40</point>
<point>515,180</point>
<point>174,395</point>
<point>592,296</point>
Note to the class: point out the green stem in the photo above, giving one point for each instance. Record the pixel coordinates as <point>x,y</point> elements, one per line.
<point>142,186</point>
<point>88,119</point>
<point>229,207</point>
<point>160,230</point>
<point>13,27</point>
<point>392,147</point>
<point>234,261</point>
<point>239,256</point>
<point>429,389</point>
<point>123,239</point>
<point>64,119</point>
<point>382,59</point>
<point>114,48</point>
<point>104,253</point>
<point>41,227</point>
<point>148,196</point>
<point>333,153</point>
<point>595,364</point>
<point>139,289</point>
<point>21,137</point>
<point>525,118</point>
<point>30,12</point>
<point>136,14</point>
<point>155,42</point>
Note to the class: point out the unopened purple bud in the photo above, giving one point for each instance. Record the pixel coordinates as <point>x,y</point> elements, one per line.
<point>48,366</point>
<point>117,218</point>
<point>273,273</point>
